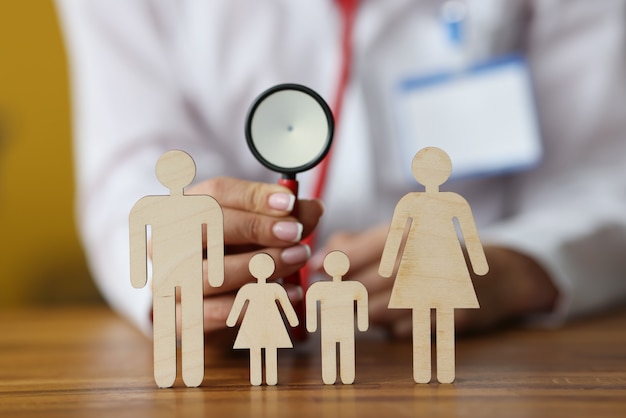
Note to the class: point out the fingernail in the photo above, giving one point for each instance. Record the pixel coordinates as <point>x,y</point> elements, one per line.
<point>295,294</point>
<point>282,201</point>
<point>296,254</point>
<point>288,231</point>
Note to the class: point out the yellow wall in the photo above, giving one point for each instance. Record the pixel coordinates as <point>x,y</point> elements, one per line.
<point>41,261</point>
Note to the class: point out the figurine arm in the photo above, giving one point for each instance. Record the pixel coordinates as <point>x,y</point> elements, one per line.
<point>240,300</point>
<point>138,247</point>
<point>215,245</point>
<point>475,251</point>
<point>394,239</point>
<point>362,315</point>
<point>311,307</point>
<point>285,303</point>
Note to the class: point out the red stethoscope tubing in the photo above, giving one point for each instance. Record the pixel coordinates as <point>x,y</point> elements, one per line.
<point>348,12</point>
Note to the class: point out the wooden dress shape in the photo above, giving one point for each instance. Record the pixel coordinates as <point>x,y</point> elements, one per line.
<point>433,273</point>
<point>262,326</point>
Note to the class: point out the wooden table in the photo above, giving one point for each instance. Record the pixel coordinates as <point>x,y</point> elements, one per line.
<point>87,362</point>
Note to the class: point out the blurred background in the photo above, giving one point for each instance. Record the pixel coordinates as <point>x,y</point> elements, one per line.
<point>41,261</point>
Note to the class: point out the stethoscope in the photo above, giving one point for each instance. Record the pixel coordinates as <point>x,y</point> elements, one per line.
<point>277,99</point>
<point>271,121</point>
<point>289,129</point>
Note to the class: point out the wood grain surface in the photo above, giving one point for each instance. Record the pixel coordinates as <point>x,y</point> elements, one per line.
<point>87,361</point>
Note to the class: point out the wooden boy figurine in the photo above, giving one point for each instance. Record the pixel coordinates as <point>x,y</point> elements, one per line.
<point>177,223</point>
<point>433,273</point>
<point>337,300</point>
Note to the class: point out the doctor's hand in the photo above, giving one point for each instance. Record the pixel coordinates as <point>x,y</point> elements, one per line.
<point>364,249</point>
<point>256,218</point>
<point>515,285</point>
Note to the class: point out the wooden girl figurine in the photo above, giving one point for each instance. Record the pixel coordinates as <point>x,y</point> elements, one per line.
<point>262,326</point>
<point>433,273</point>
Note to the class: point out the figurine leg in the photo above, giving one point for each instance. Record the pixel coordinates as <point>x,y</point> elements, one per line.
<point>192,334</point>
<point>255,367</point>
<point>329,361</point>
<point>346,362</point>
<point>445,345</point>
<point>271,366</point>
<point>421,346</point>
<point>164,317</point>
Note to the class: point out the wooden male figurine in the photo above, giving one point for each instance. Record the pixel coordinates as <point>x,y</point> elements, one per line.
<point>177,222</point>
<point>337,299</point>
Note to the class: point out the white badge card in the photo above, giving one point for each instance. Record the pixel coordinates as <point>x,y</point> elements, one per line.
<point>484,117</point>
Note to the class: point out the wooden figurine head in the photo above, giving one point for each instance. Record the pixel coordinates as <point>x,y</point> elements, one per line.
<point>175,170</point>
<point>261,266</point>
<point>336,264</point>
<point>431,167</point>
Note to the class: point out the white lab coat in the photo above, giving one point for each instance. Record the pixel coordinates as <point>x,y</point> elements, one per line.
<point>152,75</point>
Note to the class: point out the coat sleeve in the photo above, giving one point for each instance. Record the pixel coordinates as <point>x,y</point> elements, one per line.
<point>127,112</point>
<point>570,213</point>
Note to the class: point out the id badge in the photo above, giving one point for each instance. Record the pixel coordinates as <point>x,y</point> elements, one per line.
<point>484,117</point>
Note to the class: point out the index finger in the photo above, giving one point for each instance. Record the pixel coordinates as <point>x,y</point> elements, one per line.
<point>262,198</point>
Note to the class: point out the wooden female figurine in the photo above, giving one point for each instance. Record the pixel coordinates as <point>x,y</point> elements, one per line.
<point>433,273</point>
<point>262,326</point>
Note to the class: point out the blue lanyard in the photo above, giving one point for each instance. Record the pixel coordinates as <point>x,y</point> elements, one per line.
<point>453,16</point>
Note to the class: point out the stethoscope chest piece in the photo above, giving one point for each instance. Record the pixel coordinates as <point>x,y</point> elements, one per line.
<point>289,129</point>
